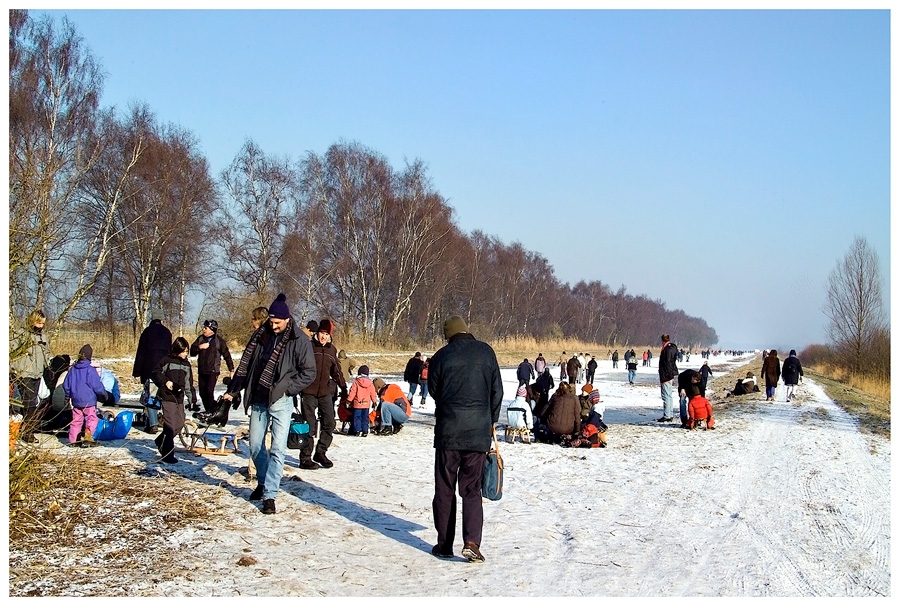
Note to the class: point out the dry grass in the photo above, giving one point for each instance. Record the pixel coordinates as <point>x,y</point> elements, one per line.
<point>874,386</point>
<point>75,514</point>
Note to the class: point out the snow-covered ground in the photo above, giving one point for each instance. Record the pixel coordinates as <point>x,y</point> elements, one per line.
<point>782,499</point>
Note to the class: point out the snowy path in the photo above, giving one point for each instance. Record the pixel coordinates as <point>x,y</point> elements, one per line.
<point>782,499</point>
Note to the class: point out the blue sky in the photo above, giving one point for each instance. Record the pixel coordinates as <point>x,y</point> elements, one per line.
<point>720,161</point>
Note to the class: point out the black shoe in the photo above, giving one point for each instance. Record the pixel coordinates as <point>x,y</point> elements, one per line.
<point>364,434</point>
<point>257,493</point>
<point>323,460</point>
<point>171,460</point>
<point>397,427</point>
<point>471,553</point>
<point>386,431</point>
<point>663,419</point>
<point>308,464</point>
<point>437,553</point>
<point>268,506</point>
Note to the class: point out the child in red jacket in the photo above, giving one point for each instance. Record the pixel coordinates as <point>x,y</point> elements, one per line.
<point>699,409</point>
<point>362,398</point>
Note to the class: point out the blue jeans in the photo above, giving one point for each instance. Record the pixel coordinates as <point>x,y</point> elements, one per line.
<point>412,390</point>
<point>665,388</point>
<point>683,409</point>
<point>391,413</point>
<point>270,465</point>
<point>631,374</point>
<point>152,417</point>
<point>423,387</point>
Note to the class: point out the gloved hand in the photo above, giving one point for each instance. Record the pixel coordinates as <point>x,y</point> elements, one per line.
<point>235,403</point>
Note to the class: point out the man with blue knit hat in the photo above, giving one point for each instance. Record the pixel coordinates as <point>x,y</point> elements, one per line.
<point>276,365</point>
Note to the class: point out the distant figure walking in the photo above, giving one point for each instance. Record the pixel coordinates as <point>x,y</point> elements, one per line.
<point>791,371</point>
<point>771,370</point>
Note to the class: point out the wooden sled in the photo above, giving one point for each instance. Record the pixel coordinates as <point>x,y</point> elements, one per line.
<point>200,440</point>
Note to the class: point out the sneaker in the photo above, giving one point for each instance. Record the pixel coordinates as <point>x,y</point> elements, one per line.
<point>308,464</point>
<point>438,554</point>
<point>268,506</point>
<point>257,493</point>
<point>471,553</point>
<point>663,419</point>
<point>323,460</point>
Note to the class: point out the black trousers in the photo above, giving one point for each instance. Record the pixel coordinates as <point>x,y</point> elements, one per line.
<point>318,411</point>
<point>206,385</point>
<point>463,468</point>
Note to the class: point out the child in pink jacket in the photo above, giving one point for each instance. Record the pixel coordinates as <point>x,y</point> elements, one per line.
<point>362,397</point>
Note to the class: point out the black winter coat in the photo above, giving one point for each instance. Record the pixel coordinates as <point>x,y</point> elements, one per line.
<point>668,369</point>
<point>525,371</point>
<point>178,371</point>
<point>155,342</point>
<point>209,360</point>
<point>413,370</point>
<point>791,370</point>
<point>464,380</point>
<point>296,368</point>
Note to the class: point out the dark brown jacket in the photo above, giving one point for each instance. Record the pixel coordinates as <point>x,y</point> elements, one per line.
<point>564,416</point>
<point>328,368</point>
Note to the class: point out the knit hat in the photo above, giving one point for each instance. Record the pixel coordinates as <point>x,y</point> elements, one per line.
<point>521,392</point>
<point>312,326</point>
<point>453,326</point>
<point>279,309</point>
<point>212,325</point>
<point>86,352</point>
<point>363,370</point>
<point>379,384</point>
<point>325,325</point>
<point>156,314</point>
<point>793,352</point>
<point>588,388</point>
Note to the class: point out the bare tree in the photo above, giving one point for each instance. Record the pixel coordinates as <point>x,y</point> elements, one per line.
<point>54,91</point>
<point>854,303</point>
<point>264,191</point>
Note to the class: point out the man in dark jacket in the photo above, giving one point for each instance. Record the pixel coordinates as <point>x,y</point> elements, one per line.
<point>155,342</point>
<point>210,349</point>
<point>276,365</point>
<point>318,398</point>
<point>464,380</point>
<point>591,369</point>
<point>791,371</point>
<point>525,372</point>
<point>688,387</point>
<point>705,373</point>
<point>668,370</point>
<point>411,374</point>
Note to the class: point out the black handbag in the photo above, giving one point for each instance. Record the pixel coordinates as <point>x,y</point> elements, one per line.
<point>298,432</point>
<point>492,478</point>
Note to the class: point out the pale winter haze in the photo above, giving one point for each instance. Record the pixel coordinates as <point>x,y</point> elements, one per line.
<point>720,161</point>
<point>780,500</point>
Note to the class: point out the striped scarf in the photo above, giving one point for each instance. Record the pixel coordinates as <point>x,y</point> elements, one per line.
<point>268,374</point>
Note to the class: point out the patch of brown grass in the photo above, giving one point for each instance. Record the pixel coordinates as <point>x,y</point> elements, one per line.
<point>77,512</point>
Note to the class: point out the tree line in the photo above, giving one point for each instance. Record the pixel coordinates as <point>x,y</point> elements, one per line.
<point>114,213</point>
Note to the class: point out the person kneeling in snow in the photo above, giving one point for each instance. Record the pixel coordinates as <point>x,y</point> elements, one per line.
<point>394,408</point>
<point>700,410</point>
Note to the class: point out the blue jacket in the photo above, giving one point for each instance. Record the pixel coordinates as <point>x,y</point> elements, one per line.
<point>83,386</point>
